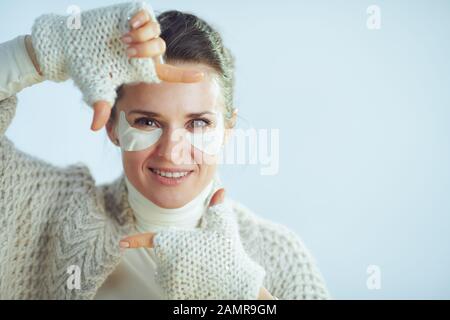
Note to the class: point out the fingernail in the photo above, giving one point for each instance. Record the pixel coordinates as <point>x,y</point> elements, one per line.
<point>124,244</point>
<point>200,75</point>
<point>137,23</point>
<point>131,52</point>
<point>127,39</point>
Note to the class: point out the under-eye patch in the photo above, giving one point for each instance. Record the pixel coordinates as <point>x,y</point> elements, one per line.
<point>133,139</point>
<point>209,141</point>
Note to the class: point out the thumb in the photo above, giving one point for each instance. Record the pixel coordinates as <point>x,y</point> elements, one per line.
<point>170,73</point>
<point>219,216</point>
<point>218,197</point>
<point>102,112</point>
<point>99,92</point>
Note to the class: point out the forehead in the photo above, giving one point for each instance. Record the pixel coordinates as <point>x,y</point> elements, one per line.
<point>171,99</point>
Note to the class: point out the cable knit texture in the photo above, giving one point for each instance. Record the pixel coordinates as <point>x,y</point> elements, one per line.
<point>91,53</point>
<point>213,249</point>
<point>52,218</point>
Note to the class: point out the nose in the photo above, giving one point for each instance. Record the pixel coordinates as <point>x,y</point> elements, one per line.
<point>174,147</point>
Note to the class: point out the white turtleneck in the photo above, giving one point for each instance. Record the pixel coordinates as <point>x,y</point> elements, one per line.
<point>16,68</point>
<point>150,217</point>
<point>134,277</point>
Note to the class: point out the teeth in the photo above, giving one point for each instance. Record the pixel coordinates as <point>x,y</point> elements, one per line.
<point>174,175</point>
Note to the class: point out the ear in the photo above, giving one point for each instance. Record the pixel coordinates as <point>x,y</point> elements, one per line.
<point>110,130</point>
<point>230,126</point>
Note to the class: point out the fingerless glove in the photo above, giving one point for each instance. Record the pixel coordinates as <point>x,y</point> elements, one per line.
<point>208,262</point>
<point>92,55</point>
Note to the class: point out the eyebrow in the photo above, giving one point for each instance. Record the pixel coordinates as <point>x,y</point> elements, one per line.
<point>157,115</point>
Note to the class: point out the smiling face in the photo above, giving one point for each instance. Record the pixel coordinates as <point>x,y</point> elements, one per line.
<point>171,172</point>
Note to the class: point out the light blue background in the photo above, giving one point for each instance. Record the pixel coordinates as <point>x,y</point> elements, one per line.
<point>364,121</point>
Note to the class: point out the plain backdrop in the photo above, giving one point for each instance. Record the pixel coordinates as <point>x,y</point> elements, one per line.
<point>363,116</point>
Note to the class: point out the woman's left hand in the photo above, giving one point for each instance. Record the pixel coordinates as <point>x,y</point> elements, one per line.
<point>204,263</point>
<point>144,41</point>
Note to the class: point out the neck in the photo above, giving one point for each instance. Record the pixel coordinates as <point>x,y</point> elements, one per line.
<point>151,217</point>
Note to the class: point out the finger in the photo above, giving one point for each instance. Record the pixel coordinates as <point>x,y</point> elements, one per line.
<point>218,197</point>
<point>159,59</point>
<point>148,31</point>
<point>220,215</point>
<point>139,19</point>
<point>264,294</point>
<point>148,49</point>
<point>144,240</point>
<point>169,73</point>
<point>102,112</point>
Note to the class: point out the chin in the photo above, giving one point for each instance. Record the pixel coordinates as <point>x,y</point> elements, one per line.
<point>170,197</point>
<point>170,202</point>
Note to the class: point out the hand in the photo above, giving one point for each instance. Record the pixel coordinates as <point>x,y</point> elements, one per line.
<point>95,57</point>
<point>144,39</point>
<point>220,269</point>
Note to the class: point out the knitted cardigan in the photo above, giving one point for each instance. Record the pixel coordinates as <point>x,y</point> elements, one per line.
<point>52,218</point>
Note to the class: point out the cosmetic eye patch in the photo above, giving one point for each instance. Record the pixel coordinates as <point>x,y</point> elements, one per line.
<point>133,139</point>
<point>210,141</point>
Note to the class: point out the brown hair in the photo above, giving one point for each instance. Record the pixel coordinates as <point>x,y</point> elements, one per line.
<point>191,39</point>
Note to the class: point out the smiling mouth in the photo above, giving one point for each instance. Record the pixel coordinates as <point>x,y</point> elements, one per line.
<point>170,176</point>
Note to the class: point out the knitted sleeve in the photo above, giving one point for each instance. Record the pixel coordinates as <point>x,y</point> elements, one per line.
<point>7,112</point>
<point>51,218</point>
<point>23,176</point>
<point>292,271</point>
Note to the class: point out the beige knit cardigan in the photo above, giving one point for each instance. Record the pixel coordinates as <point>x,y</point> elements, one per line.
<point>52,218</point>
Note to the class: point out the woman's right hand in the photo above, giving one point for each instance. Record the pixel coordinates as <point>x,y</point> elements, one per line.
<point>141,41</point>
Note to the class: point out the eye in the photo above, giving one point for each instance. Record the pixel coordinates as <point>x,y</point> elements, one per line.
<point>199,123</point>
<point>145,122</point>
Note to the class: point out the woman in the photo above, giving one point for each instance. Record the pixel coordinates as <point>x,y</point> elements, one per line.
<point>163,229</point>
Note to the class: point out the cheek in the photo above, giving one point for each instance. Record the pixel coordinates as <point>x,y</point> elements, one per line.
<point>135,161</point>
<point>206,165</point>
<point>185,154</point>
<point>207,147</point>
<point>203,159</point>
